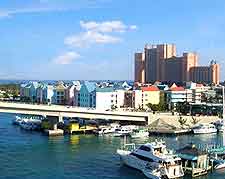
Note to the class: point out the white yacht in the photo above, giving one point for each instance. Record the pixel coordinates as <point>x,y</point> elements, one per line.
<point>114,127</point>
<point>140,133</point>
<point>103,130</point>
<point>204,129</point>
<point>153,159</point>
<point>123,131</point>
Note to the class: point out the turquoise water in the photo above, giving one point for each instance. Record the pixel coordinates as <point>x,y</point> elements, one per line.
<point>31,155</point>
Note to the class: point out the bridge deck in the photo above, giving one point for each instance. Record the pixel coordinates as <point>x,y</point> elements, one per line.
<point>56,110</point>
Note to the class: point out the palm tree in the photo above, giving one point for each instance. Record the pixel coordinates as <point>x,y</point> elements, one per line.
<point>182,121</point>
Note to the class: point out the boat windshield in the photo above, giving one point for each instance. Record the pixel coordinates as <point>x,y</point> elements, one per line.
<point>158,151</point>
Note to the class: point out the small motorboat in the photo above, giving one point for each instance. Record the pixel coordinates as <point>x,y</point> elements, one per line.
<point>204,128</point>
<point>139,133</point>
<point>17,120</point>
<point>103,130</point>
<point>123,131</point>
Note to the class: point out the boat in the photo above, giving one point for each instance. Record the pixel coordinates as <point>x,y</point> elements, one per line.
<point>30,124</point>
<point>153,159</point>
<point>17,120</point>
<point>114,127</point>
<point>153,170</point>
<point>204,128</point>
<point>103,130</point>
<point>24,118</point>
<point>123,131</point>
<point>217,156</point>
<point>195,160</point>
<point>139,133</point>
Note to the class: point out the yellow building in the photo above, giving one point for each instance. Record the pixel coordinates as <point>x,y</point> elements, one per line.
<point>150,94</point>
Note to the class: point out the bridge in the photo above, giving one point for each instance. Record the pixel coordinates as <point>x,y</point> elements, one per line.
<point>58,111</point>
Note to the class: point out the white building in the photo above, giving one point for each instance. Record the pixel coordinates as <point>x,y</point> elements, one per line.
<point>108,98</point>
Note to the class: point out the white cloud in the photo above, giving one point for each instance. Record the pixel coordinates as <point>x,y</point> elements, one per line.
<point>98,33</point>
<point>90,37</point>
<point>41,6</point>
<point>133,27</point>
<point>4,14</point>
<point>66,58</point>
<point>107,26</point>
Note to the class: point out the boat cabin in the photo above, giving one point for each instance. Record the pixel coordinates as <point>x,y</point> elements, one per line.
<point>194,161</point>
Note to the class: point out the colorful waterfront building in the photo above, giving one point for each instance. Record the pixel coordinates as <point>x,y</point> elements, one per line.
<point>87,95</point>
<point>69,95</point>
<point>109,98</point>
<point>59,96</point>
<point>77,85</point>
<point>106,98</point>
<point>28,91</point>
<point>178,94</point>
<point>45,93</point>
<point>150,95</point>
<point>146,95</point>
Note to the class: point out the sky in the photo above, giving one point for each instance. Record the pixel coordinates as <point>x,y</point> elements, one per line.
<point>97,39</point>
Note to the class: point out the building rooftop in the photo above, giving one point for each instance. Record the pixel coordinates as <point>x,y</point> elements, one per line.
<point>174,87</point>
<point>150,88</point>
<point>106,89</point>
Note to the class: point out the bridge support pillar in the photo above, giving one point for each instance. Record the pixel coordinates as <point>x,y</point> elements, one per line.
<point>60,118</point>
<point>53,120</point>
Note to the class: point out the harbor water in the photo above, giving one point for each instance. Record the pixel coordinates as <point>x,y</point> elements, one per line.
<point>31,155</point>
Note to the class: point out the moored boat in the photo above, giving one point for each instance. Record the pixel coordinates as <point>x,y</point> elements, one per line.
<point>204,128</point>
<point>140,133</point>
<point>123,131</point>
<point>153,159</point>
<point>217,156</point>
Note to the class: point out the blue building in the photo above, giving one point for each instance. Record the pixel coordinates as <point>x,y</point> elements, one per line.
<point>28,91</point>
<point>87,95</point>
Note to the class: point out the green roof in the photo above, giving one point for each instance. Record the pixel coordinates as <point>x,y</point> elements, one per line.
<point>107,89</point>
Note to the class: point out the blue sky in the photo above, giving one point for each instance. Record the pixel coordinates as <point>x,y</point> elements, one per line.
<point>96,39</point>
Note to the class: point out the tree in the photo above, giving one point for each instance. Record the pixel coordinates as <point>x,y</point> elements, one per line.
<point>182,107</point>
<point>194,120</point>
<point>182,121</point>
<point>156,107</point>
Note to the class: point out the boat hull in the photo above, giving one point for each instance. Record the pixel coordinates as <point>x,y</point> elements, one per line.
<point>131,161</point>
<point>220,165</point>
<point>197,131</point>
<point>150,175</point>
<point>146,134</point>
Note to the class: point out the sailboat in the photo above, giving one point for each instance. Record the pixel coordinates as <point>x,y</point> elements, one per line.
<point>217,155</point>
